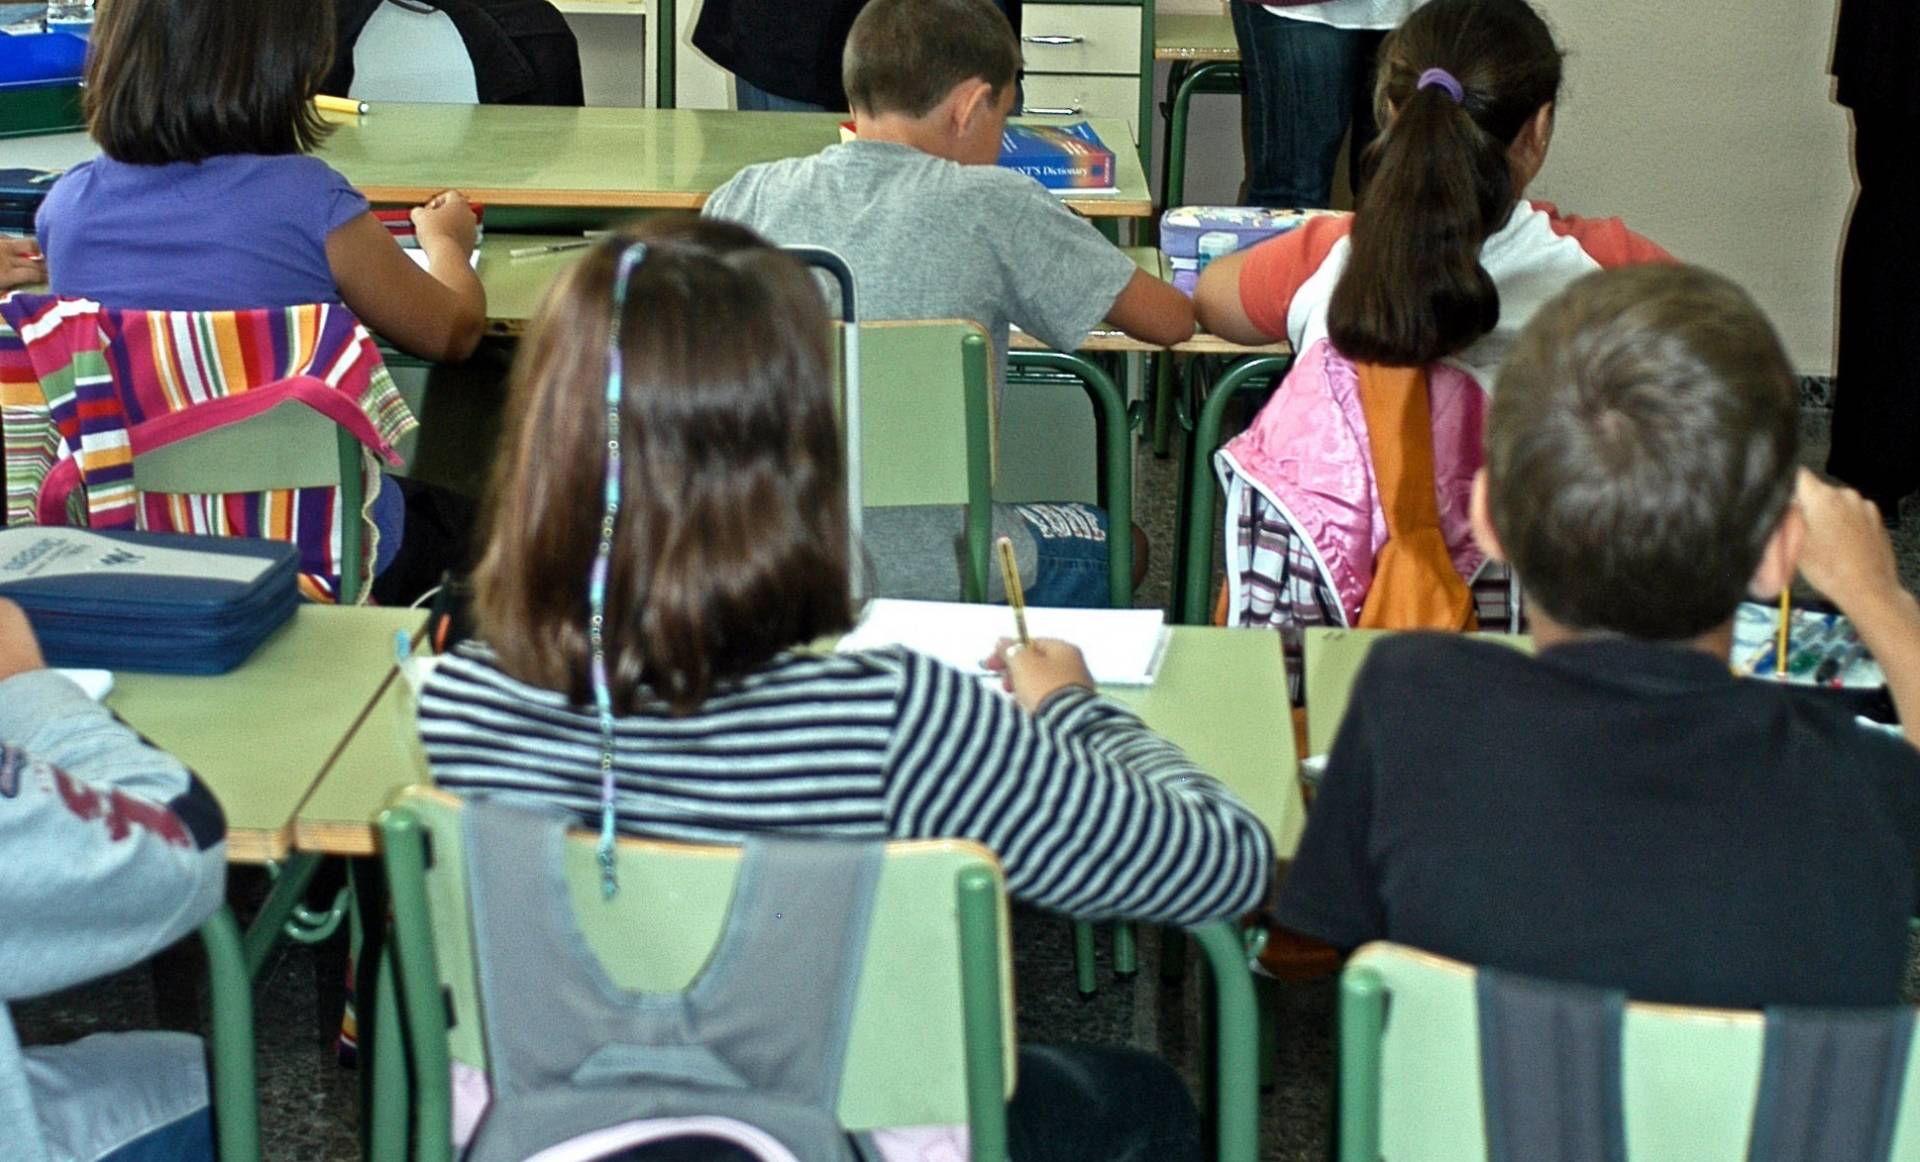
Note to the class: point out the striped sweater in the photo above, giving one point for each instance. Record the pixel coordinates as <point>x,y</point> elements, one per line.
<point>1091,813</point>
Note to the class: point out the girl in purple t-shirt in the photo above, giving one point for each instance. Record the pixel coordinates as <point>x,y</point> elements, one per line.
<point>204,198</point>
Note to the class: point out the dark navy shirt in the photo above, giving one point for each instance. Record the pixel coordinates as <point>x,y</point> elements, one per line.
<point>1617,813</point>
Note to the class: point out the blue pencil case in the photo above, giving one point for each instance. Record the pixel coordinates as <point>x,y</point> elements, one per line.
<point>157,602</point>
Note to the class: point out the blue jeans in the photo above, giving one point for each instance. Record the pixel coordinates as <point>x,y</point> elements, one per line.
<point>1306,82</point>
<point>188,1140</point>
<point>753,99</point>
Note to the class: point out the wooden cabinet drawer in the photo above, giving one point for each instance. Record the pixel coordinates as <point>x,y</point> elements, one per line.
<point>1080,38</point>
<point>1068,95</point>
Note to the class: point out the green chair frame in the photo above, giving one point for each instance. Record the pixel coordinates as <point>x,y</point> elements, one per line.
<point>289,445</point>
<point>233,1068</point>
<point>1409,1086</point>
<point>411,1066</point>
<point>1113,433</point>
<point>1198,509</point>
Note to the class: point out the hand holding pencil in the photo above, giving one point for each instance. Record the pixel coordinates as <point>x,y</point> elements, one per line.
<point>1032,669</point>
<point>20,263</point>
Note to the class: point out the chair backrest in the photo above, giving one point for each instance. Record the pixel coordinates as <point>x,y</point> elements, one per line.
<point>1331,660</point>
<point>915,1041</point>
<point>927,424</point>
<point>407,54</point>
<point>1410,1069</point>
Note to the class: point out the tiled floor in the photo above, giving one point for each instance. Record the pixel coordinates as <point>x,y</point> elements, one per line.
<point>310,1104</point>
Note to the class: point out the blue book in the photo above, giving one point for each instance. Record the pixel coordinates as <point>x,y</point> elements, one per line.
<point>1059,157</point>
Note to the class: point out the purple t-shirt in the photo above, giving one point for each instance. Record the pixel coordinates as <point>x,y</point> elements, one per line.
<point>236,231</point>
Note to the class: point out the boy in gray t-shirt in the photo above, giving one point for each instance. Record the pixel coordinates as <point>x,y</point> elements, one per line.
<point>933,229</point>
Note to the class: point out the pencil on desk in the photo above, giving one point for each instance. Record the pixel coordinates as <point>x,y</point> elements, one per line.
<point>1010,573</point>
<point>327,104</point>
<point>547,248</point>
<point>1780,642</point>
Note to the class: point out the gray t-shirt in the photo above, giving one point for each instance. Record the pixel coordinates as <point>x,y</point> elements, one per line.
<point>930,238</point>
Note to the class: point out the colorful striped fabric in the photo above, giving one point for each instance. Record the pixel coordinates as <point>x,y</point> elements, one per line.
<point>84,388</point>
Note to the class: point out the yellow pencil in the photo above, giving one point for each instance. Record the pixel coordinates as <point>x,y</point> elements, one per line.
<point>1780,643</point>
<point>328,104</point>
<point>1010,573</point>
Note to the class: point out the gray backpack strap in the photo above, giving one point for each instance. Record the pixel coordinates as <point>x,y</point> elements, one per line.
<point>1550,1070</point>
<point>1830,1085</point>
<point>777,999</point>
<point>760,1036</point>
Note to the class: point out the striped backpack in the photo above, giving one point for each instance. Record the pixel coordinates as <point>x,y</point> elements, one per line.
<point>83,388</point>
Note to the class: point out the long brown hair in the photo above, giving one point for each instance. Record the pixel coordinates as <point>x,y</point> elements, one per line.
<point>1439,180</point>
<point>185,80</point>
<point>732,540</point>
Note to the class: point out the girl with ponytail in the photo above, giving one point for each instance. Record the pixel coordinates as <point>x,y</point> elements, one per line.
<point>1348,495</point>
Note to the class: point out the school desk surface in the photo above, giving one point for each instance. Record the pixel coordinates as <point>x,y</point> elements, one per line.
<point>1221,695</point>
<point>261,735</point>
<point>588,159</point>
<point>1194,36</point>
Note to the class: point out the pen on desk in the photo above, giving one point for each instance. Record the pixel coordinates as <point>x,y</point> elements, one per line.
<point>1010,573</point>
<point>549,248</point>
<point>328,104</point>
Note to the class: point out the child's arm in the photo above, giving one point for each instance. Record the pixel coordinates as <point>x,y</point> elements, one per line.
<point>1152,311</point>
<point>1848,556</point>
<point>20,263</point>
<point>113,851</point>
<point>438,313</point>
<point>1216,300</point>
<point>1091,813</point>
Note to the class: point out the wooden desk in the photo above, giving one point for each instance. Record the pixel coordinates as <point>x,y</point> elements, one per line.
<point>1222,695</point>
<point>586,159</point>
<point>1194,36</point>
<point>261,735</point>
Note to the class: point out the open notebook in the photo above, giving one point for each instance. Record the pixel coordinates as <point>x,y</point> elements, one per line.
<point>1123,646</point>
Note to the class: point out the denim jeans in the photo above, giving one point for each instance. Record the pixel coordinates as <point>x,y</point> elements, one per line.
<point>753,99</point>
<point>919,552</point>
<point>189,1139</point>
<point>1306,82</point>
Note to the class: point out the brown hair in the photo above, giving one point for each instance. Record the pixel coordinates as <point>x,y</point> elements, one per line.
<point>732,540</point>
<point>905,56</point>
<point>1641,450</point>
<point>185,80</point>
<point>1438,180</point>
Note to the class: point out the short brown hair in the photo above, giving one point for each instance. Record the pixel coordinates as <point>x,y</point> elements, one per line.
<point>732,540</point>
<point>1641,450</point>
<point>185,80</point>
<point>905,56</point>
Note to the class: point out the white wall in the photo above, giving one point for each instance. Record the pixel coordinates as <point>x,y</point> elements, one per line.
<point>1709,127</point>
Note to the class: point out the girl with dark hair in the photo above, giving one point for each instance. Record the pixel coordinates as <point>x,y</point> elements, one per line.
<point>1441,264</point>
<point>668,536</point>
<point>205,198</point>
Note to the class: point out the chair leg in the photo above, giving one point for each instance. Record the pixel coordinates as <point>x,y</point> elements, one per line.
<point>236,1090</point>
<point>1126,952</point>
<point>1083,959</point>
<point>1235,1067</point>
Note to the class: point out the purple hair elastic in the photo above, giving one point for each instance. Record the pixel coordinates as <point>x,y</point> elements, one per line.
<point>630,258</point>
<point>1442,79</point>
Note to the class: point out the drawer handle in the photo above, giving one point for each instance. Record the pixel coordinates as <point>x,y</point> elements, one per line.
<point>1062,111</point>
<point>1055,40</point>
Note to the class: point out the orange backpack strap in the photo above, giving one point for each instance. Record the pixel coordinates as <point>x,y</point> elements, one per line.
<point>1415,585</point>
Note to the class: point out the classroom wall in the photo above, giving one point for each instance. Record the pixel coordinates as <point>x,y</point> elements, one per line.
<point>1709,127</point>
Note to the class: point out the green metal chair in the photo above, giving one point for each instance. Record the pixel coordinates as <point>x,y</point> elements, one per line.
<point>933,1042</point>
<point>1198,510</point>
<point>288,446</point>
<point>233,1069</point>
<point>1113,432</point>
<point>1409,1077</point>
<point>926,421</point>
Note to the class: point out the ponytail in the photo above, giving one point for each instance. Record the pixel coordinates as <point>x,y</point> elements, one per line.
<point>1439,181</point>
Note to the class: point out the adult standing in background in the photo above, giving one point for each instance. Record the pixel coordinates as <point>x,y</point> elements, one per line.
<point>1876,413</point>
<point>1309,74</point>
<point>785,54</point>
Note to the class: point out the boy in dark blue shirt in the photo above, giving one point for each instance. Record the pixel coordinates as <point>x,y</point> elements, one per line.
<point>1621,810</point>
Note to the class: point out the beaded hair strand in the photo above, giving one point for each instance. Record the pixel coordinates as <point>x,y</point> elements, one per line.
<point>630,259</point>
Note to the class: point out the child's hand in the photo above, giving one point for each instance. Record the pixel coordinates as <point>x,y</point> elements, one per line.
<point>1847,554</point>
<point>446,218</point>
<point>20,263</point>
<point>19,651</point>
<point>1037,672</point>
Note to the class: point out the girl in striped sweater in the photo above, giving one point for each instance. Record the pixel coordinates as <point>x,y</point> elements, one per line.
<point>727,551</point>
